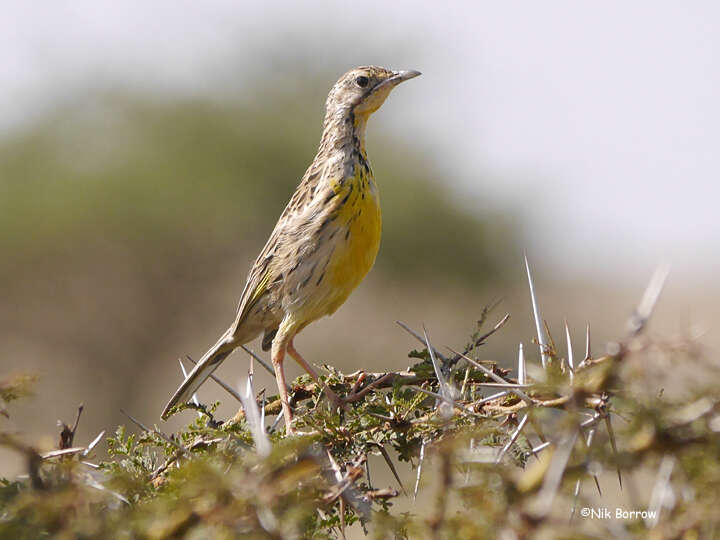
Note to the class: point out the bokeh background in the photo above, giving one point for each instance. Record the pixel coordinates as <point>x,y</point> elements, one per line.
<point>146,150</point>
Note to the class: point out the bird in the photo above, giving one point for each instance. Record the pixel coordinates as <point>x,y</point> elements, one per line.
<point>324,243</point>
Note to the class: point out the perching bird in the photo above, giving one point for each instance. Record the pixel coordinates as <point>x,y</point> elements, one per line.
<point>323,244</point>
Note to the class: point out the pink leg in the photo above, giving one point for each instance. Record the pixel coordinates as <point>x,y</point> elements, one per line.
<point>337,402</point>
<point>278,355</point>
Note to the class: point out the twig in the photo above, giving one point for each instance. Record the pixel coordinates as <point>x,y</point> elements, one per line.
<point>513,438</point>
<point>444,399</point>
<point>481,340</point>
<point>390,465</point>
<point>383,380</point>
<point>493,397</point>
<point>356,396</point>
<point>539,448</point>
<point>259,360</point>
<point>419,338</point>
<point>67,434</point>
<point>554,474</point>
<point>522,395</point>
<point>157,432</point>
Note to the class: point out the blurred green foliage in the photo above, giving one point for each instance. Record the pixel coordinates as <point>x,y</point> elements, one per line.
<point>210,176</point>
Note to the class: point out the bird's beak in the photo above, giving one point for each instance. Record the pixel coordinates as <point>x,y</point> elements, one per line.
<point>402,76</point>
<point>398,77</point>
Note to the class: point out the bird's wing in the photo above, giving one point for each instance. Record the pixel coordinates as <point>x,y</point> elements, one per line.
<point>265,274</point>
<point>268,268</point>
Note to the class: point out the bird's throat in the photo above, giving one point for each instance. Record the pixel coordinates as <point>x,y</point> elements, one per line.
<point>359,125</point>
<point>345,131</point>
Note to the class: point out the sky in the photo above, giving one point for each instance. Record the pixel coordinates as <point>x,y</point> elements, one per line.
<point>599,122</point>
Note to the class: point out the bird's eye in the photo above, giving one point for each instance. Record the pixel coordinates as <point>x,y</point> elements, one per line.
<point>362,81</point>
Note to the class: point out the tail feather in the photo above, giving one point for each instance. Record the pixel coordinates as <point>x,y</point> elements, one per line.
<point>199,374</point>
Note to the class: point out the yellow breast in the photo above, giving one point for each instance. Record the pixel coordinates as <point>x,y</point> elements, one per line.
<point>360,225</point>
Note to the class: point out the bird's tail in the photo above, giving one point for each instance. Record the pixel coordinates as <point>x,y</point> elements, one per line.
<point>199,374</point>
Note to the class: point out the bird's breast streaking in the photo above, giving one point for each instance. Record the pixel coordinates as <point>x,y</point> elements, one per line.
<point>345,247</point>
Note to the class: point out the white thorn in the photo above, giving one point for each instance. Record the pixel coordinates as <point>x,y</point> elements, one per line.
<point>662,491</point>
<point>571,361</point>
<point>650,297</point>
<point>542,339</point>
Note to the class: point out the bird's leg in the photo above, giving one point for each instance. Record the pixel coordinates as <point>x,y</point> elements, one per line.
<point>278,355</point>
<point>332,396</point>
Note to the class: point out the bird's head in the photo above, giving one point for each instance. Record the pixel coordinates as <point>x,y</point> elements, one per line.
<point>361,91</point>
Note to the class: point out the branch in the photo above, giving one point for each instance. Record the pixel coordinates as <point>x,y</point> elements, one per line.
<point>375,381</point>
